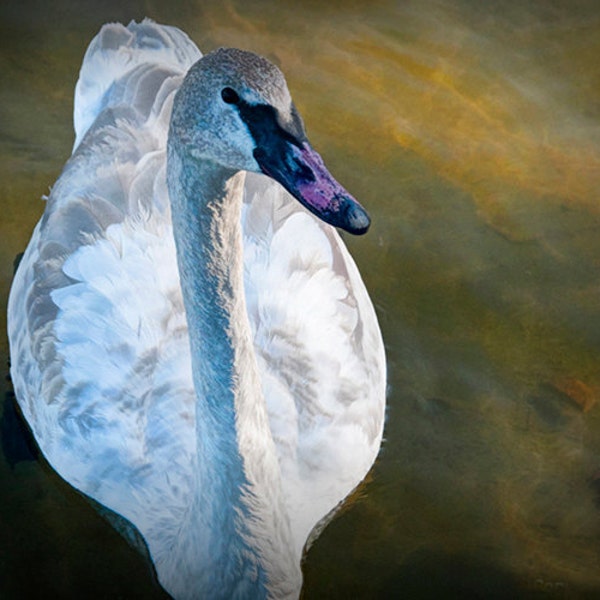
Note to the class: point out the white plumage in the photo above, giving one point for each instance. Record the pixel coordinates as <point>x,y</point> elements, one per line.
<point>100,346</point>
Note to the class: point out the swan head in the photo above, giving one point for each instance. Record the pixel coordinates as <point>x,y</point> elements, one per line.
<point>234,109</point>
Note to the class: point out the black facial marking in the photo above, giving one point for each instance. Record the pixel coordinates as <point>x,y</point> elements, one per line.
<point>265,127</point>
<point>303,172</point>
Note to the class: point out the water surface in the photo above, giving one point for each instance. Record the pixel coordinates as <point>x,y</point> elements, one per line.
<point>471,132</point>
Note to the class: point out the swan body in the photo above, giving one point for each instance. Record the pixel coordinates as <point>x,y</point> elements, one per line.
<point>191,347</point>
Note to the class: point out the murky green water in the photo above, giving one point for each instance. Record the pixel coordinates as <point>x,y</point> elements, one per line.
<point>471,132</point>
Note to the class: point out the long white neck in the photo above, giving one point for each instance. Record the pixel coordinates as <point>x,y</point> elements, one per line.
<point>236,538</point>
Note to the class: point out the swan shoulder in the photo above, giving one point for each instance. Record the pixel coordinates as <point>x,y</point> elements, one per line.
<point>319,349</point>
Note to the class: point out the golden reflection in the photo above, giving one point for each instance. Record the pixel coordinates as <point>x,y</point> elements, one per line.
<point>478,129</point>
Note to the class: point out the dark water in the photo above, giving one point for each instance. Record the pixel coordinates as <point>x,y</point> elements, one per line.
<point>471,132</point>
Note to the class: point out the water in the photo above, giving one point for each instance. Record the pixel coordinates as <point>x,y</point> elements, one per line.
<point>471,134</point>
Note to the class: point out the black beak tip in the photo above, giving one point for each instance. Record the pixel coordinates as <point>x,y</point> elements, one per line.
<point>357,219</point>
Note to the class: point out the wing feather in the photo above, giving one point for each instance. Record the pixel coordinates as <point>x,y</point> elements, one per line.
<point>318,347</point>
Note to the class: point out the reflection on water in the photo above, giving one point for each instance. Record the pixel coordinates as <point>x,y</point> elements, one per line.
<point>472,135</point>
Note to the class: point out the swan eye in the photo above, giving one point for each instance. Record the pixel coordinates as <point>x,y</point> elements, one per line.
<point>229,96</point>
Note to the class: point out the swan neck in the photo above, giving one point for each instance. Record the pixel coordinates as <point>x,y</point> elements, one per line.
<point>238,514</point>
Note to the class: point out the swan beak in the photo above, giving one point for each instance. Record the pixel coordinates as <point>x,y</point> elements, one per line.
<point>302,172</point>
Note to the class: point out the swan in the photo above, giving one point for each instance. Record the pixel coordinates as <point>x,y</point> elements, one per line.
<point>191,343</point>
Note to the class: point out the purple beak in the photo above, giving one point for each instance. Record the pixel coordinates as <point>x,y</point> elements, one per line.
<point>302,172</point>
